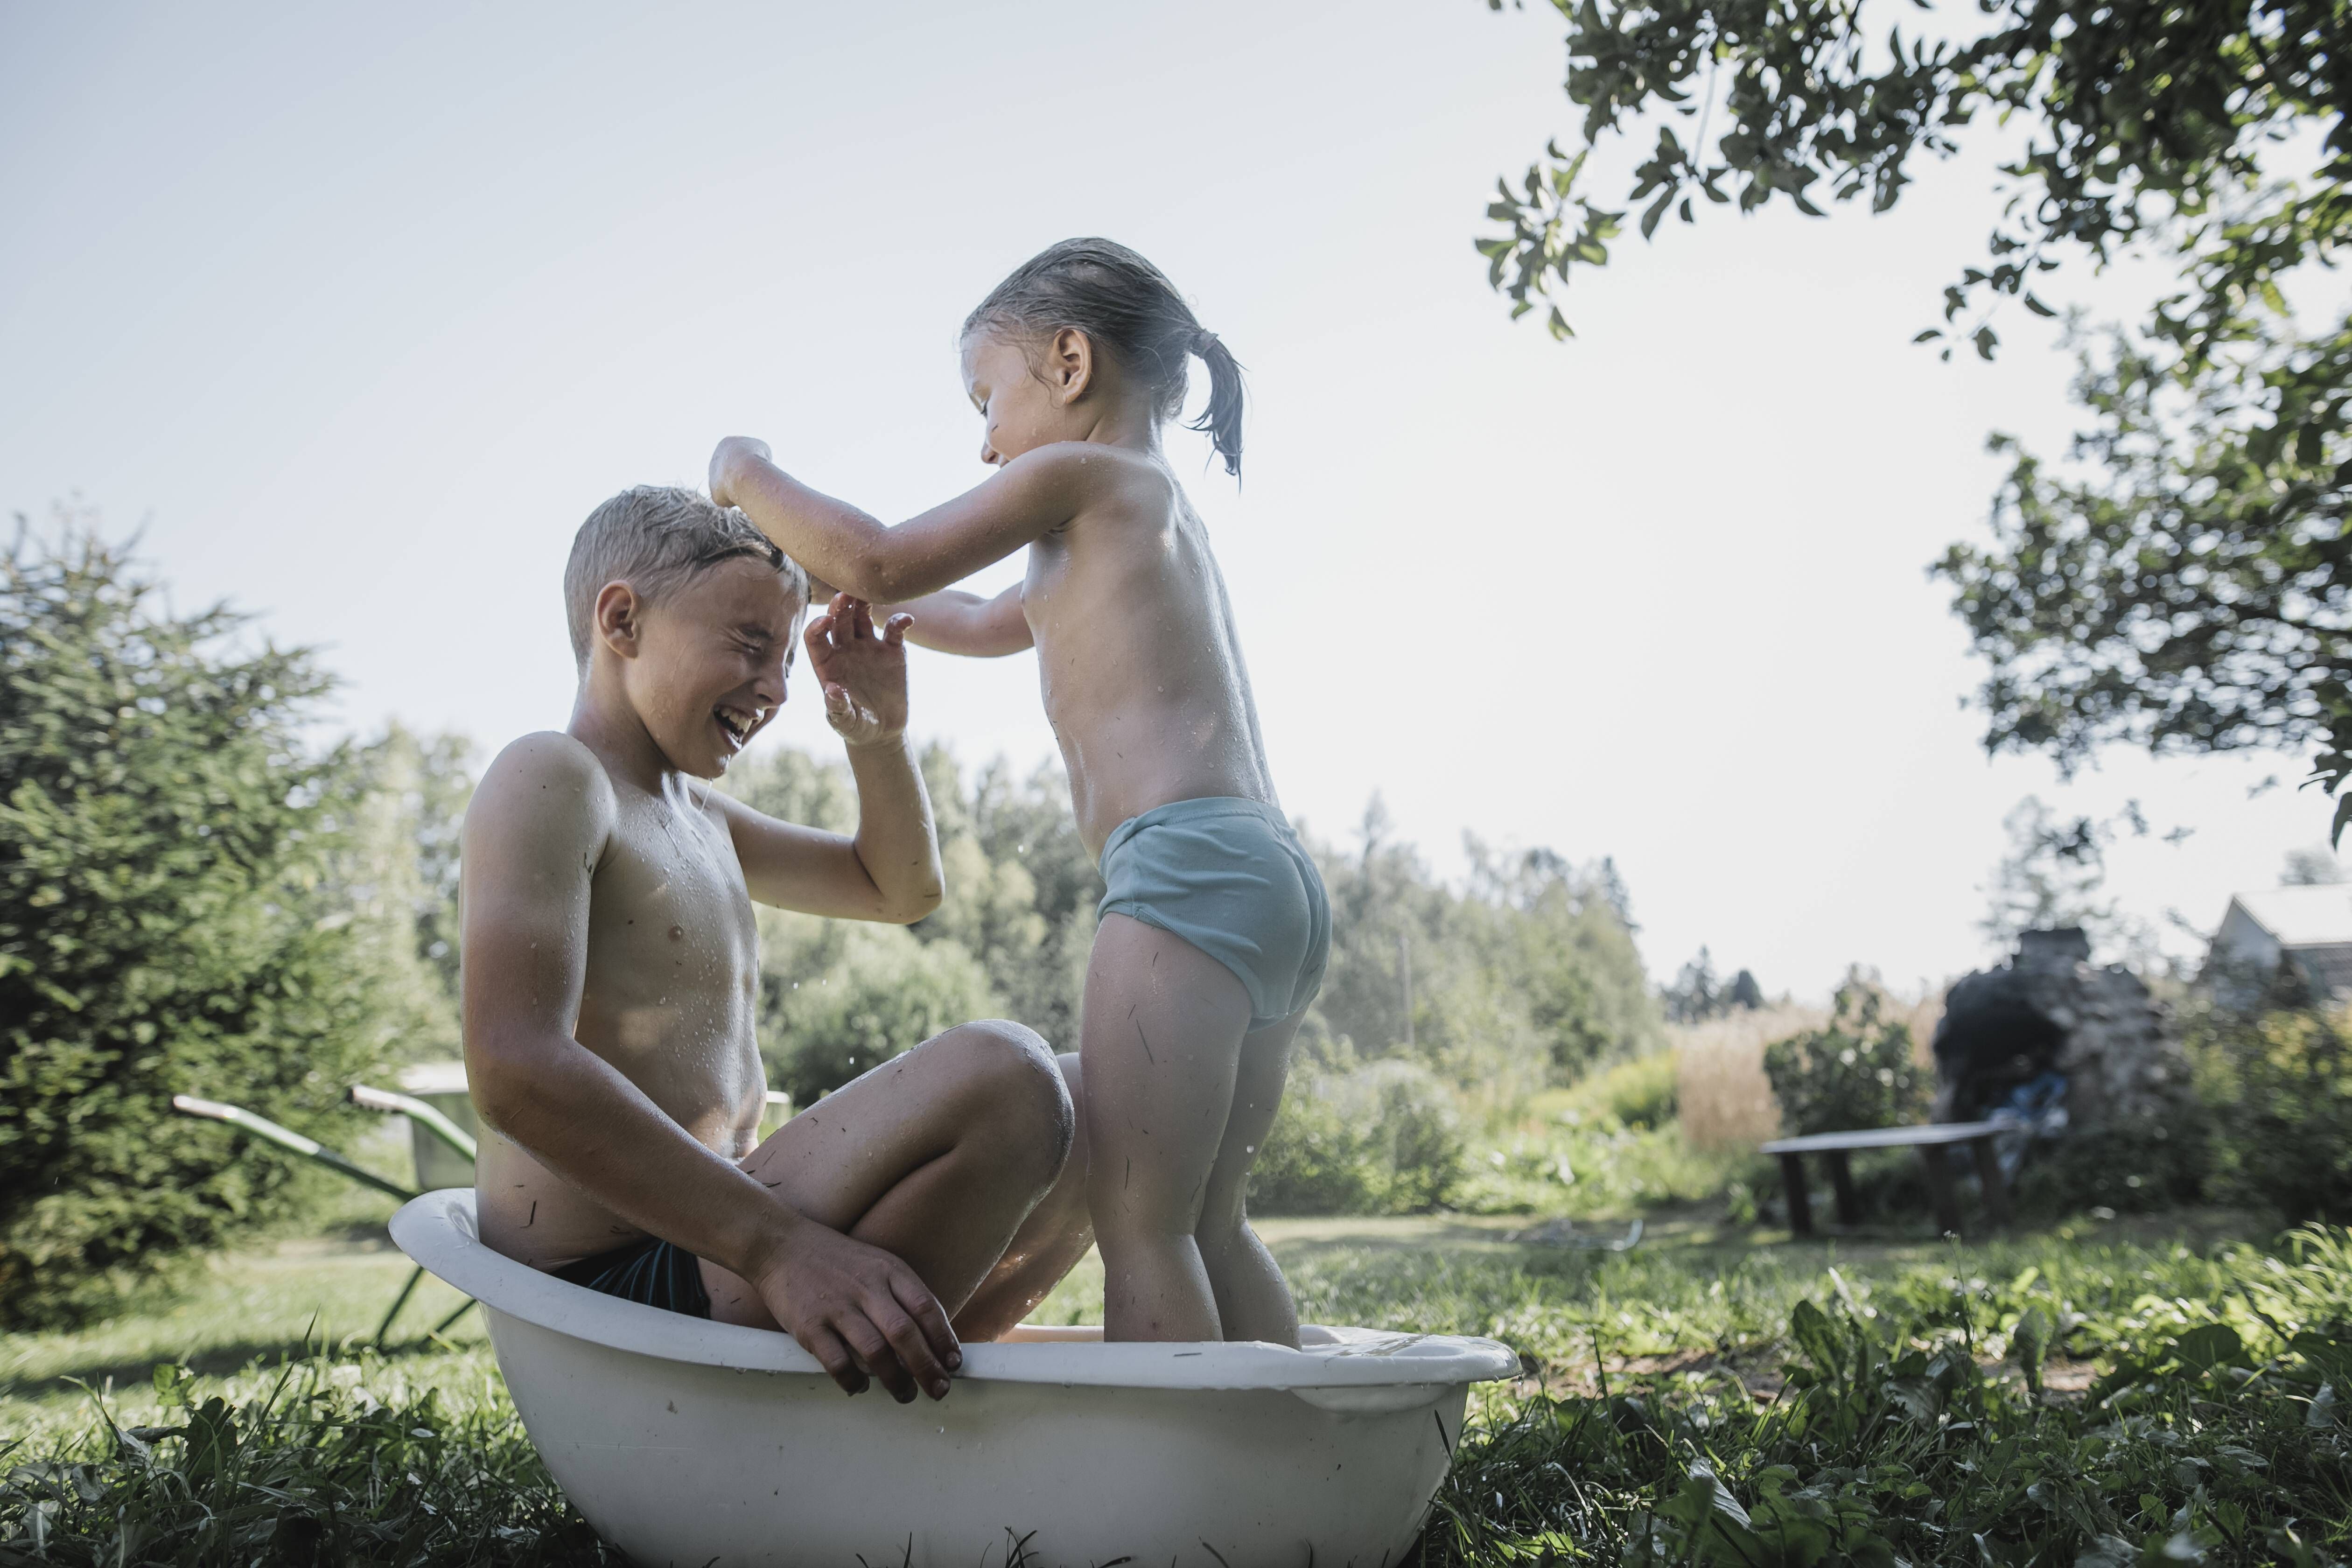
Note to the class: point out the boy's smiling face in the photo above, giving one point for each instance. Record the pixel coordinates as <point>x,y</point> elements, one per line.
<point>705,666</point>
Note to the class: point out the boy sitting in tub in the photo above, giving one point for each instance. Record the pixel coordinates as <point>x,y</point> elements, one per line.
<point>611,974</point>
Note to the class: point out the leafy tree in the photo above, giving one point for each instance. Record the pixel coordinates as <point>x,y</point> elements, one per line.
<point>168,922</point>
<point>2310,868</point>
<point>1021,895</point>
<point>2184,590</point>
<point>881,993</point>
<point>417,787</point>
<point>1527,976</point>
<point>1697,993</point>
<point>1031,918</point>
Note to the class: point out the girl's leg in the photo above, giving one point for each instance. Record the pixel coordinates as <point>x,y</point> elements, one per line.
<point>1050,1241</point>
<point>1253,1300</point>
<point>1161,1040</point>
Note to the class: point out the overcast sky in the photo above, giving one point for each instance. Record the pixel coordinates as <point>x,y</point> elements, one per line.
<point>358,313</point>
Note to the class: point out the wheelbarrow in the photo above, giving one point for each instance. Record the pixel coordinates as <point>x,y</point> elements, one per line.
<point>420,1116</point>
<point>444,1152</point>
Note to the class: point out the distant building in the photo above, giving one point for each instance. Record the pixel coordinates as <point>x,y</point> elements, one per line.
<point>2307,929</point>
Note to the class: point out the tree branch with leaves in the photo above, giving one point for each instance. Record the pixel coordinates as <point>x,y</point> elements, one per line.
<point>2181,586</point>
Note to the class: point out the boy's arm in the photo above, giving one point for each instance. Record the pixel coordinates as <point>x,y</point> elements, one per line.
<point>890,870</point>
<point>952,621</point>
<point>533,835</point>
<point>1029,496</point>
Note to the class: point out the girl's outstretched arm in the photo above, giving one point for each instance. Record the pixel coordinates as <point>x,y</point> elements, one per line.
<point>952,621</point>
<point>1030,496</point>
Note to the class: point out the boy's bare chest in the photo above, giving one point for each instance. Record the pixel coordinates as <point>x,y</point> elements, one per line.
<point>668,913</point>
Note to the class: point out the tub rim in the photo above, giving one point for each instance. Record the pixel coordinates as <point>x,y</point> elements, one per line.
<point>438,1230</point>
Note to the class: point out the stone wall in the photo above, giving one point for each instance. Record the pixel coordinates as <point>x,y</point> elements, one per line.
<point>2049,1009</point>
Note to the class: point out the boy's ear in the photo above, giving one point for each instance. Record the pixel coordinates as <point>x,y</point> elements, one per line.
<point>1069,365</point>
<point>620,614</point>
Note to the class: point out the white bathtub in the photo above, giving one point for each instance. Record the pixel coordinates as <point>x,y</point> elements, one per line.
<point>694,1443</point>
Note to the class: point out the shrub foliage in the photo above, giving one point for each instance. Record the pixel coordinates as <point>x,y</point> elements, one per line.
<point>1381,1139</point>
<point>165,845</point>
<point>1856,1071</point>
<point>2279,1085</point>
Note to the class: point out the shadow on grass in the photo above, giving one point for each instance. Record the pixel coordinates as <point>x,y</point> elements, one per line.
<point>224,1360</point>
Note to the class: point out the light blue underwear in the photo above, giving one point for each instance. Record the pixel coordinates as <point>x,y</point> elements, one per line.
<point>1230,877</point>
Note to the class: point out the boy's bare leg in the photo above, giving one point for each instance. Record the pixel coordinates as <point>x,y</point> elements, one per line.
<point>1050,1241</point>
<point>1160,1040</point>
<point>938,1156</point>
<point>1253,1301</point>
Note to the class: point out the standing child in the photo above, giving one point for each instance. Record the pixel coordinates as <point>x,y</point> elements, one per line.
<point>1214,925</point>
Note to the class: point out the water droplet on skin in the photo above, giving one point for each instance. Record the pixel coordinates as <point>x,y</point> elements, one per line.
<point>677,932</point>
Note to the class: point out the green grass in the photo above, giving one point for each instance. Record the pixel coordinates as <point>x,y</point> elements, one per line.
<point>2092,1393</point>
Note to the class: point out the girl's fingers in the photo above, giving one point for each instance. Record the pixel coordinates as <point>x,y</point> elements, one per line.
<point>894,631</point>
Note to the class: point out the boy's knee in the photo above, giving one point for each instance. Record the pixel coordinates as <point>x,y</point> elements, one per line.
<point>1015,1069</point>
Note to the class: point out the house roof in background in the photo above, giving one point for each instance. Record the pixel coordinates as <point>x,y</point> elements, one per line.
<point>2303,917</point>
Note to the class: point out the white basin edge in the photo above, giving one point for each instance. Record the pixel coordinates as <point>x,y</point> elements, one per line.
<point>437,1231</point>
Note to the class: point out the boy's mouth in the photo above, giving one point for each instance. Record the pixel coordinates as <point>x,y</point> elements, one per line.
<point>736,723</point>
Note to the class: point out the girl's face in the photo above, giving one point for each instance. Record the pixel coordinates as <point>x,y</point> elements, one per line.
<point>1022,409</point>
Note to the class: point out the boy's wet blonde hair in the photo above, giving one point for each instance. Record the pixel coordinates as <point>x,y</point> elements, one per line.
<point>654,538</point>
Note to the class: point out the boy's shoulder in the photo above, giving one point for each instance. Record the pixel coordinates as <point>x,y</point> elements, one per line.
<point>548,771</point>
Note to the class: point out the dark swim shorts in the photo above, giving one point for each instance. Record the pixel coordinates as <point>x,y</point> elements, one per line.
<point>648,1270</point>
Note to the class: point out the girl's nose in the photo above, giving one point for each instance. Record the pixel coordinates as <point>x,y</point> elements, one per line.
<point>987,452</point>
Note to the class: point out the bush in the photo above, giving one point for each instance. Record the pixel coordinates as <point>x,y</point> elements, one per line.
<point>882,993</point>
<point>1641,1093</point>
<point>2134,1165</point>
<point>1380,1138</point>
<point>167,858</point>
<point>1857,1071</point>
<point>2280,1087</point>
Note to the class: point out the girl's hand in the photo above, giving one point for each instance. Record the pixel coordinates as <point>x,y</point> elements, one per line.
<point>730,452</point>
<point>864,673</point>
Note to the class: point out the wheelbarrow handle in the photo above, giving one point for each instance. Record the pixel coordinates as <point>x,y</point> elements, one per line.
<point>417,1110</point>
<point>285,1137</point>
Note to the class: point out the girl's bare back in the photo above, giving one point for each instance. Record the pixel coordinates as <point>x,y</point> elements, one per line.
<point>1138,660</point>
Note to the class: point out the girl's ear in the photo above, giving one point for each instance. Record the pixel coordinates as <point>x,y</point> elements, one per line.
<point>1069,365</point>
<point>619,618</point>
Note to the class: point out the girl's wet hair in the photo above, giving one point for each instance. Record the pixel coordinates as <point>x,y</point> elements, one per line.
<point>1126,306</point>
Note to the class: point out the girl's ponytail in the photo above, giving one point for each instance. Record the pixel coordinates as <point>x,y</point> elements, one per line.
<point>1129,308</point>
<point>1222,418</point>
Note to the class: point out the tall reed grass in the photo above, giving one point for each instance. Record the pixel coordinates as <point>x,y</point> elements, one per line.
<point>1726,1099</point>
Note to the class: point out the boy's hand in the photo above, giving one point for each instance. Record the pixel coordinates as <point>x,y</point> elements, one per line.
<point>864,673</point>
<point>857,1307</point>
<point>730,452</point>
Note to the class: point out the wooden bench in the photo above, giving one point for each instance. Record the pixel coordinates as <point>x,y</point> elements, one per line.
<point>1931,1141</point>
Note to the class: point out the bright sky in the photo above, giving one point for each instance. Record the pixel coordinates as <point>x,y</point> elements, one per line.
<point>359,312</point>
